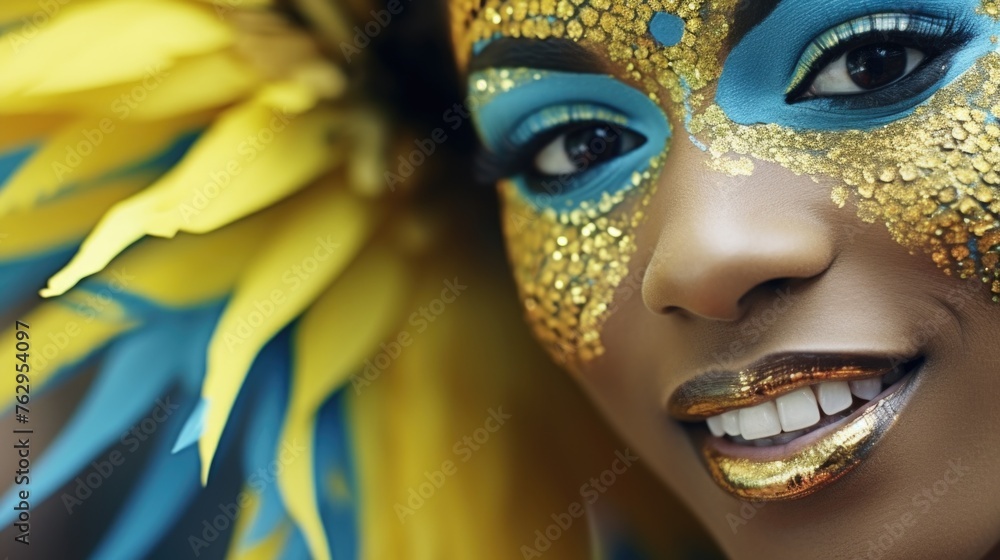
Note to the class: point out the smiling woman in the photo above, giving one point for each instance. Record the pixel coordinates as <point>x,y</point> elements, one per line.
<point>828,171</point>
<point>760,237</point>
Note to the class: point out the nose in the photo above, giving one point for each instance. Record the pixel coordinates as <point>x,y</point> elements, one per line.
<point>725,241</point>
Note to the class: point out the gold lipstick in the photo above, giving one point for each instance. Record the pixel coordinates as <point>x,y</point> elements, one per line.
<point>717,391</point>
<point>811,461</point>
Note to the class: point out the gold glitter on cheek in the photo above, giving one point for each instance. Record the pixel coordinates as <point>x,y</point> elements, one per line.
<point>932,178</point>
<point>568,264</point>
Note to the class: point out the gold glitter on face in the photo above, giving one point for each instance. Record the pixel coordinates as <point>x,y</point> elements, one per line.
<point>932,177</point>
<point>815,466</point>
<point>568,261</point>
<point>567,264</point>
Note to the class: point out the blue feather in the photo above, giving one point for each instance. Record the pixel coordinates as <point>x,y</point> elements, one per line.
<point>11,161</point>
<point>261,439</point>
<point>334,464</point>
<point>295,547</point>
<point>192,427</point>
<point>167,486</point>
<point>137,369</point>
<point>21,279</point>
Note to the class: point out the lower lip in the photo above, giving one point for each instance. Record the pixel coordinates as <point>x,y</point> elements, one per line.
<point>810,462</point>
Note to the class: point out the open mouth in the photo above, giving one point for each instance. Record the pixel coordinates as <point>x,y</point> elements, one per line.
<point>789,425</point>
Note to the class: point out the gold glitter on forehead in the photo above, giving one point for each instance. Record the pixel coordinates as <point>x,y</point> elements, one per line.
<point>933,177</point>
<point>991,8</point>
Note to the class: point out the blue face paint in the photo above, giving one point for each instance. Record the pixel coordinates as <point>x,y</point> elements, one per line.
<point>542,104</point>
<point>758,71</point>
<point>667,29</point>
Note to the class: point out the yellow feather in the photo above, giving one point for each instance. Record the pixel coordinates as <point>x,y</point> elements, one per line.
<point>192,269</point>
<point>193,84</point>
<point>19,131</point>
<point>322,231</point>
<point>334,337</point>
<point>66,219</point>
<point>30,13</point>
<point>84,150</point>
<point>72,52</point>
<point>247,161</point>
<point>269,547</point>
<point>62,333</point>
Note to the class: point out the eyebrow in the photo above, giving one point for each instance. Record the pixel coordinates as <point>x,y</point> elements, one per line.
<point>550,54</point>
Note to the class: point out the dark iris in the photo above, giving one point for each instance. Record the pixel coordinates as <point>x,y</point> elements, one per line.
<point>594,145</point>
<point>877,65</point>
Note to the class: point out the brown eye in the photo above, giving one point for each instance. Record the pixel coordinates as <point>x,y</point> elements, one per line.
<point>874,66</point>
<point>576,150</point>
<point>866,68</point>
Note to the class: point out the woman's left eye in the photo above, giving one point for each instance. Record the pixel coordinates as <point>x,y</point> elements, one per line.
<point>865,69</point>
<point>876,52</point>
<point>576,150</point>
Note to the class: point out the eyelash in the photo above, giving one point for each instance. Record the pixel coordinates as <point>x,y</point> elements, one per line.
<point>937,37</point>
<point>523,143</point>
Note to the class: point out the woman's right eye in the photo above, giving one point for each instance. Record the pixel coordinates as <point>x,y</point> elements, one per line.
<point>578,149</point>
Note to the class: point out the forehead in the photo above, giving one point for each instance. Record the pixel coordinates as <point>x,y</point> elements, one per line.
<point>474,23</point>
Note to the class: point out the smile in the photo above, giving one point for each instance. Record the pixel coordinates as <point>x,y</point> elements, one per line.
<point>789,425</point>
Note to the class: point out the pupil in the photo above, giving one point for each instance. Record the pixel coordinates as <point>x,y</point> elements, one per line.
<point>876,65</point>
<point>593,145</point>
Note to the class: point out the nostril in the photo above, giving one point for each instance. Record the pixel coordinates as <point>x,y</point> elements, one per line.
<point>769,287</point>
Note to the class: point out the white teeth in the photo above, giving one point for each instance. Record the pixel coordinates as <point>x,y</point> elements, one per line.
<point>866,389</point>
<point>834,396</point>
<point>715,426</point>
<point>759,421</point>
<point>793,411</point>
<point>731,422</point>
<point>797,410</point>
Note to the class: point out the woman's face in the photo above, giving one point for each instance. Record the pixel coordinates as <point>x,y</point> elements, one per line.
<point>763,235</point>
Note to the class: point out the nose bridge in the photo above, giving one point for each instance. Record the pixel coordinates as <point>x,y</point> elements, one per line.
<point>724,236</point>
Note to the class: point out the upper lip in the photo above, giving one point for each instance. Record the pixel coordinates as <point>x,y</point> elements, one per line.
<point>718,391</point>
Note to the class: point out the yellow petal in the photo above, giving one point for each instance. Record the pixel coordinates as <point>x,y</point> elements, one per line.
<point>252,158</point>
<point>71,53</point>
<point>323,230</point>
<point>333,339</point>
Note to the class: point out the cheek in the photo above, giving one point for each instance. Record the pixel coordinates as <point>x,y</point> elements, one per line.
<point>569,264</point>
<point>932,178</point>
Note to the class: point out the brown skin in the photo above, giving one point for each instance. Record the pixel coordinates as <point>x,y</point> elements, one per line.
<point>702,293</point>
<point>715,253</point>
